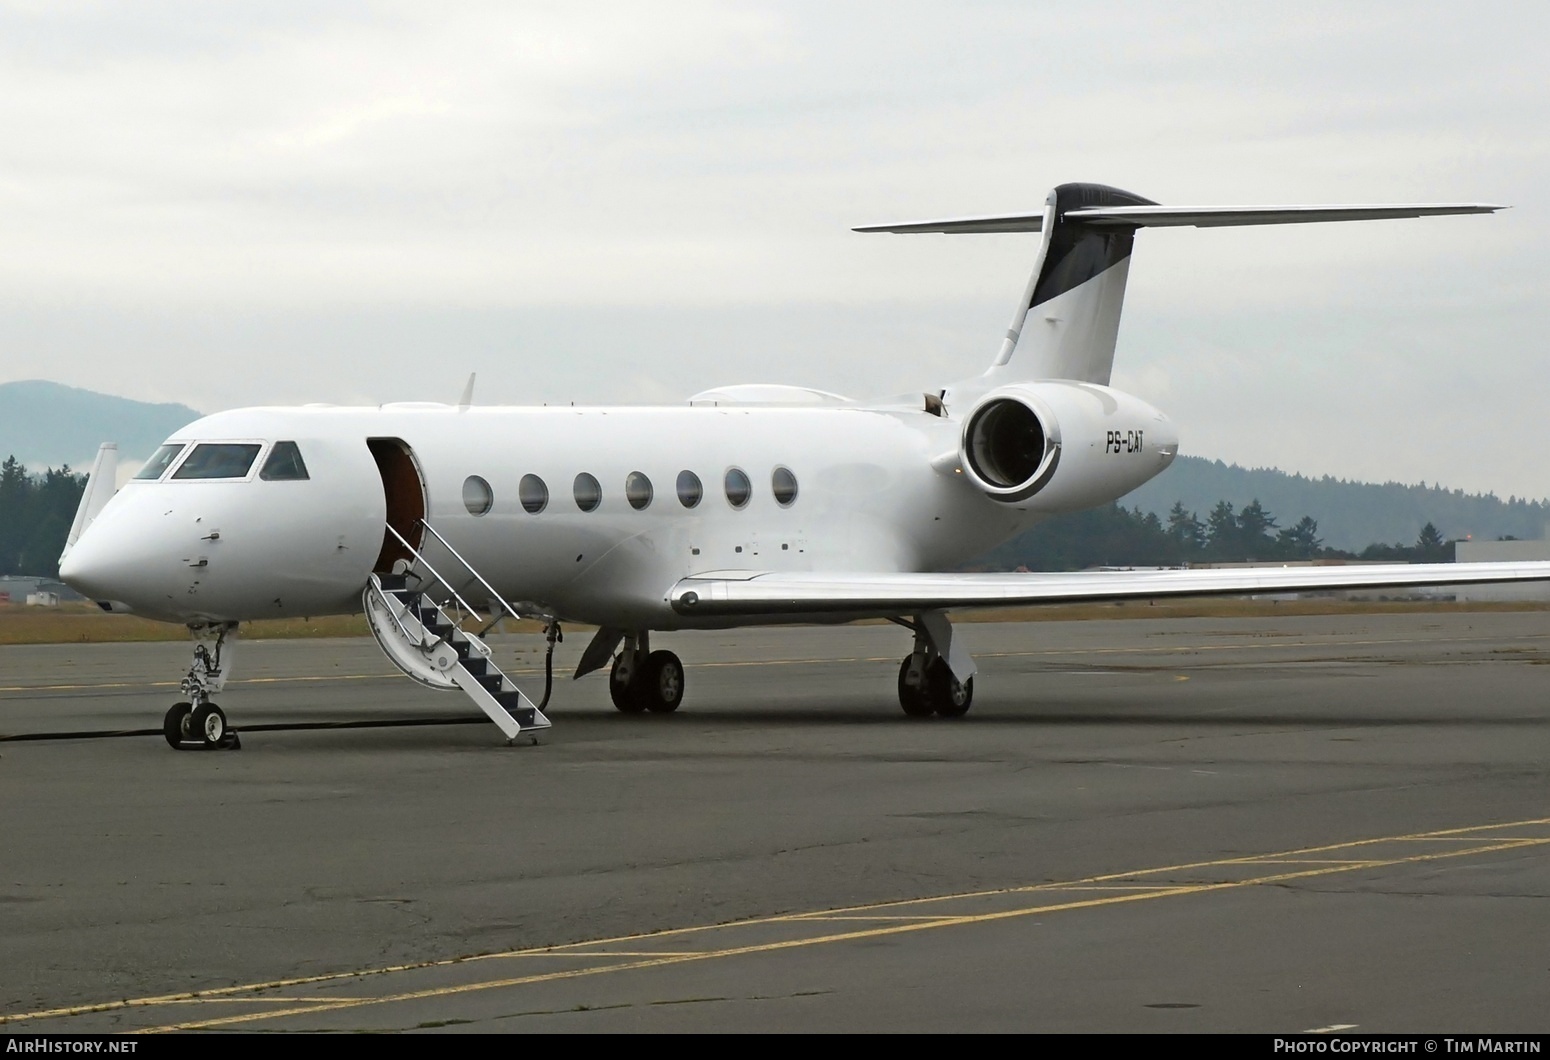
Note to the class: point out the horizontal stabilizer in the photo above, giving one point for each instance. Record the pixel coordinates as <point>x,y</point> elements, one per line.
<point>1187,216</point>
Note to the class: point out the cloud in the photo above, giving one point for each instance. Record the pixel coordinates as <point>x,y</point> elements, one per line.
<point>225,203</point>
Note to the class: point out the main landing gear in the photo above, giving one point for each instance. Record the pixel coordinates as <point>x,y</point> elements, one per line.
<point>642,679</point>
<point>927,682</point>
<point>198,721</point>
<point>927,688</point>
<point>936,678</point>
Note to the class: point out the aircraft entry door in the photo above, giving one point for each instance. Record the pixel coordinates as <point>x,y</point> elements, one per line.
<point>404,491</point>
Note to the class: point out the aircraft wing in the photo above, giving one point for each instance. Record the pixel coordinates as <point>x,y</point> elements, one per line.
<point>752,594</point>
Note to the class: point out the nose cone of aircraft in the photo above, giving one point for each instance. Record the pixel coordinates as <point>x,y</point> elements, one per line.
<point>120,557</point>
<point>95,569</point>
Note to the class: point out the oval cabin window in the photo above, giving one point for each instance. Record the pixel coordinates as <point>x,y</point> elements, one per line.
<point>478,498</point>
<point>587,492</point>
<point>689,489</point>
<point>637,490</point>
<point>784,485</point>
<point>533,494</point>
<point>739,489</point>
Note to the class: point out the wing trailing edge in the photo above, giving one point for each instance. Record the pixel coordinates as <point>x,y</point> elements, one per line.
<point>753,595</point>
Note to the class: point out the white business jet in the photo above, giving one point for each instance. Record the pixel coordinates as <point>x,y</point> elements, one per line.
<point>750,505</point>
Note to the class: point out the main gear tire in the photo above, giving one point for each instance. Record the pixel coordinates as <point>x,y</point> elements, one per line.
<point>912,697</point>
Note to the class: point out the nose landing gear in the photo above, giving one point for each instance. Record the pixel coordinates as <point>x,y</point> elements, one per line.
<point>198,721</point>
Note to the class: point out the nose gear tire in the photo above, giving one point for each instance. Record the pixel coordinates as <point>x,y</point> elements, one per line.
<point>208,724</point>
<point>176,725</point>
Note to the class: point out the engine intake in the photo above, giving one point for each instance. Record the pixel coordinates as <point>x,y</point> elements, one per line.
<point>1061,445</point>
<point>1011,450</point>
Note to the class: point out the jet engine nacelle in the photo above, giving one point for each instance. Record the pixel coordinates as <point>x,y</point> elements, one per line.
<point>1062,446</point>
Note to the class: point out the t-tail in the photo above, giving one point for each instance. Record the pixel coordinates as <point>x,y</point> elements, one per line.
<point>1067,320</point>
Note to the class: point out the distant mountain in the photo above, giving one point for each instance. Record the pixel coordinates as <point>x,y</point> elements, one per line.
<point>46,424</point>
<point>1351,515</point>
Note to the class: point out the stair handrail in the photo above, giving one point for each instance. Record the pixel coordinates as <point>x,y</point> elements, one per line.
<point>470,568</point>
<point>418,555</point>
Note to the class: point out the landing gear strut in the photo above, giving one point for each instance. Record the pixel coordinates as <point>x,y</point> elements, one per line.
<point>198,721</point>
<point>642,679</point>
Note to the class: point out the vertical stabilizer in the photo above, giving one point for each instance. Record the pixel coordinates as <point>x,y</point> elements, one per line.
<point>1067,321</point>
<point>101,484</point>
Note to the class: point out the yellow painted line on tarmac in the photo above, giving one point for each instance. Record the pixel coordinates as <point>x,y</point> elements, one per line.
<point>269,1000</point>
<point>820,940</point>
<point>604,953</point>
<point>1099,886</point>
<point>873,918</point>
<point>1303,861</point>
<point>1168,649</point>
<point>1162,649</point>
<point>620,956</point>
<point>174,684</point>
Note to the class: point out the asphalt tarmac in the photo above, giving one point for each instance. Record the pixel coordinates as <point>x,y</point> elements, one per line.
<point>1263,825</point>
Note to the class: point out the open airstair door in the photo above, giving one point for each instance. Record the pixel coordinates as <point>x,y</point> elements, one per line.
<point>404,490</point>
<point>427,642</point>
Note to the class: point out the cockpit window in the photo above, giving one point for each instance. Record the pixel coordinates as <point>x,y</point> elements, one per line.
<point>218,460</point>
<point>159,461</point>
<point>284,464</point>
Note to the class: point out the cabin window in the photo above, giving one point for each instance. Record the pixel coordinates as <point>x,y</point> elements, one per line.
<point>478,498</point>
<point>587,492</point>
<point>739,488</point>
<point>784,485</point>
<point>219,460</point>
<point>284,464</point>
<point>689,489</point>
<point>533,494</point>
<point>160,461</point>
<point>637,490</point>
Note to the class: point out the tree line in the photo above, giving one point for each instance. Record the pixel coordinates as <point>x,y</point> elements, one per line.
<point>35,516</point>
<point>1349,514</point>
<point>36,512</point>
<point>1114,536</point>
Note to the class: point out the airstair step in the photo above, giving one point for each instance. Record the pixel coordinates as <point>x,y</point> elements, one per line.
<point>525,716</point>
<point>392,582</point>
<point>492,682</point>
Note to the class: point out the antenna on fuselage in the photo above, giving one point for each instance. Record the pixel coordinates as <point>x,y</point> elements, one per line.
<point>468,393</point>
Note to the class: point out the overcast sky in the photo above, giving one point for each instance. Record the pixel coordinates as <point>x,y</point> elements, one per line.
<point>233,204</point>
